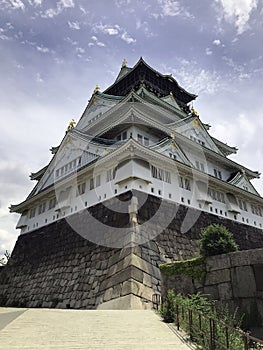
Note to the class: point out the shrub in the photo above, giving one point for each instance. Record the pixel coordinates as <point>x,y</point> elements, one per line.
<point>216,239</point>
<point>203,310</point>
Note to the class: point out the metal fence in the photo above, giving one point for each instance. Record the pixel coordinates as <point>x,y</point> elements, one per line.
<point>211,333</point>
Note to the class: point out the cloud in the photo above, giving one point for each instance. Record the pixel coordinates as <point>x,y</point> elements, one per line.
<point>17,4</point>
<point>97,42</point>
<point>172,8</point>
<point>101,44</point>
<point>107,29</point>
<point>128,39</point>
<point>196,79</point>
<point>115,30</point>
<point>66,3</point>
<point>43,49</point>
<point>74,25</point>
<point>208,51</point>
<point>238,12</point>
<point>35,2</point>
<point>61,5</point>
<point>217,42</point>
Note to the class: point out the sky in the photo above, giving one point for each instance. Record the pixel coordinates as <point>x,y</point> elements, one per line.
<point>53,53</point>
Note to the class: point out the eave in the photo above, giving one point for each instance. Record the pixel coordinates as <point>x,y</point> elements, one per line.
<point>133,149</point>
<point>226,149</point>
<point>37,176</point>
<point>119,87</point>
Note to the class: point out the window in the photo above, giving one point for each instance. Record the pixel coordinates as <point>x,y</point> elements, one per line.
<point>97,180</point>
<point>91,184</point>
<point>32,213</point>
<point>216,195</point>
<point>218,174</point>
<point>81,189</point>
<point>110,174</point>
<point>41,208</point>
<point>185,183</point>
<point>199,165</point>
<point>161,174</point>
<point>242,204</point>
<point>52,203</point>
<point>256,210</point>
<point>139,138</point>
<point>146,141</point>
<point>124,135</point>
<point>173,156</point>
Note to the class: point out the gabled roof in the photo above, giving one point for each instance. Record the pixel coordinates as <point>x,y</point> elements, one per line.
<point>226,149</point>
<point>160,84</point>
<point>240,180</point>
<point>170,145</point>
<point>192,123</point>
<point>37,175</point>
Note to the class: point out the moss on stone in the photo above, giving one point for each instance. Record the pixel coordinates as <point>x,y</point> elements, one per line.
<point>194,268</point>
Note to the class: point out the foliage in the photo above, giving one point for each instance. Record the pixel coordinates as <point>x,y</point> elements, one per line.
<point>194,268</point>
<point>202,311</point>
<point>5,258</point>
<point>216,239</point>
<point>167,310</point>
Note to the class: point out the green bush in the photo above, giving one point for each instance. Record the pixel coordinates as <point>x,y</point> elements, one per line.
<point>216,239</point>
<point>167,310</point>
<point>202,310</point>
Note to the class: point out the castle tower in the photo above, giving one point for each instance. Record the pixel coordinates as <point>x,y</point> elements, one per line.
<point>129,186</point>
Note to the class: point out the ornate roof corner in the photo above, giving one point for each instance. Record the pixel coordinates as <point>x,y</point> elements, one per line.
<point>54,149</point>
<point>37,175</point>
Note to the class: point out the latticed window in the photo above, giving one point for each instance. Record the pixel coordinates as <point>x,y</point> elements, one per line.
<point>161,174</point>
<point>81,189</point>
<point>185,183</point>
<point>242,205</point>
<point>32,213</point>
<point>41,208</point>
<point>52,203</point>
<point>256,210</point>
<point>216,195</point>
<point>110,175</point>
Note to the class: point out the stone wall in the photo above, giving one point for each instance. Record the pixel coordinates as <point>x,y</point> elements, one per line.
<point>76,263</point>
<point>235,279</point>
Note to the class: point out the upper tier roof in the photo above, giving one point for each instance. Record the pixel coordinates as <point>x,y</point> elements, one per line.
<point>161,85</point>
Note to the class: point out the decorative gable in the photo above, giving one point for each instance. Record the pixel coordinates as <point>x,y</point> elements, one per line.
<point>194,130</point>
<point>240,180</point>
<point>171,149</point>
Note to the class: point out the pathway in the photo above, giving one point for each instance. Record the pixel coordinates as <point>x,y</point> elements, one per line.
<point>39,329</point>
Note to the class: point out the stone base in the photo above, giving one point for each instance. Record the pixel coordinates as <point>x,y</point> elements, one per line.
<point>128,302</point>
<point>55,267</point>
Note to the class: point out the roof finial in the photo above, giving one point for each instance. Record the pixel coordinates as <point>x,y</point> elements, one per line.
<point>96,89</point>
<point>124,63</point>
<point>194,112</point>
<point>71,124</point>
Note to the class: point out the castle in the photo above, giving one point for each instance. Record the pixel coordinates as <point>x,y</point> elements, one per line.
<point>140,133</point>
<point>129,187</point>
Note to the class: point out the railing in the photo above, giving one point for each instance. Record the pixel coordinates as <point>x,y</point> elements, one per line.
<point>156,301</point>
<point>213,334</point>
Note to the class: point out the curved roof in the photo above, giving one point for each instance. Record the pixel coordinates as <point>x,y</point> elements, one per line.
<point>156,82</point>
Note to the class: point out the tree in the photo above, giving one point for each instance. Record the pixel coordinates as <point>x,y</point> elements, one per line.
<point>216,239</point>
<point>5,258</point>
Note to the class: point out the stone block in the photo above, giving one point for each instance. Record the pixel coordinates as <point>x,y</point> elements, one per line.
<point>218,262</point>
<point>243,282</point>
<point>212,292</point>
<point>147,280</point>
<point>225,291</point>
<point>217,276</point>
